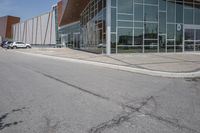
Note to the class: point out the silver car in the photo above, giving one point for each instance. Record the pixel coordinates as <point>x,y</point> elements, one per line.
<point>15,45</point>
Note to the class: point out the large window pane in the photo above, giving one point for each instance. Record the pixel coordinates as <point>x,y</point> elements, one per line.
<point>113,43</point>
<point>179,12</point>
<point>170,11</point>
<point>125,36</point>
<point>138,37</point>
<point>151,30</point>
<point>113,2</point>
<point>138,12</point>
<point>171,31</point>
<point>151,13</point>
<point>188,16</point>
<point>113,20</point>
<point>162,22</point>
<point>125,6</point>
<point>198,34</point>
<point>189,34</point>
<point>162,5</point>
<point>197,14</point>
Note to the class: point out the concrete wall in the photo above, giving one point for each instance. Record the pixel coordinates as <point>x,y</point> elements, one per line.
<point>39,30</point>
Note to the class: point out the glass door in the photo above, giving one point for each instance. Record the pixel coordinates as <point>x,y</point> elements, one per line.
<point>197,40</point>
<point>189,39</point>
<point>192,38</point>
<point>76,40</point>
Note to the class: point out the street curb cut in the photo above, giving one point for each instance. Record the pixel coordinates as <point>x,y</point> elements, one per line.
<point>122,68</point>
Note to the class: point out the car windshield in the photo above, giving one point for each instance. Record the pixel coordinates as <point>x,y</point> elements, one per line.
<point>20,43</point>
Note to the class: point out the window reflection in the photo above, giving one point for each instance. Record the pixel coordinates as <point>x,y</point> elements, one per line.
<point>151,13</point>
<point>138,37</point>
<point>170,11</point>
<point>162,22</point>
<point>197,14</point>
<point>171,31</point>
<point>151,30</point>
<point>125,6</point>
<point>188,15</point>
<point>125,36</point>
<point>179,12</point>
<point>162,43</point>
<point>189,34</point>
<point>138,12</point>
<point>198,34</point>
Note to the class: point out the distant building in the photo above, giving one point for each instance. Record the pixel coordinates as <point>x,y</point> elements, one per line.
<point>6,23</point>
<point>38,31</point>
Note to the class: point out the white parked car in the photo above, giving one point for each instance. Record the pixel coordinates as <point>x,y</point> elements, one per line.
<point>15,45</point>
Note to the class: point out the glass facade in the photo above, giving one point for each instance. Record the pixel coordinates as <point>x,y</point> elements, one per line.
<point>70,35</point>
<point>155,25</point>
<point>93,26</point>
<point>55,9</point>
<point>138,26</point>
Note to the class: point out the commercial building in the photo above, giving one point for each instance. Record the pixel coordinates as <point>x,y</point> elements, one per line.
<point>6,23</point>
<point>39,31</point>
<point>69,22</point>
<point>121,26</point>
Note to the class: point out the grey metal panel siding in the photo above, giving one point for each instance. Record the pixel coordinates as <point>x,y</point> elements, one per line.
<point>38,30</point>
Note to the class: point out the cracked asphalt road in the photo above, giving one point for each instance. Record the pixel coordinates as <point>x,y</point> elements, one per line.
<point>39,95</point>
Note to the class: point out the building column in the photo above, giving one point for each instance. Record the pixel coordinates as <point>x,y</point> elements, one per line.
<point>108,27</point>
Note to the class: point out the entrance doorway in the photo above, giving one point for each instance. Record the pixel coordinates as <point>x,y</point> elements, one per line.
<point>76,40</point>
<point>192,38</point>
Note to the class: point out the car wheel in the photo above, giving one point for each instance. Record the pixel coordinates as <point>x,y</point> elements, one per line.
<point>14,47</point>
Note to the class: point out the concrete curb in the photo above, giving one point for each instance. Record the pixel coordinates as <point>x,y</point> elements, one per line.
<point>122,68</point>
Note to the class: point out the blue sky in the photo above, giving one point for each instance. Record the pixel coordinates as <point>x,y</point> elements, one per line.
<point>25,8</point>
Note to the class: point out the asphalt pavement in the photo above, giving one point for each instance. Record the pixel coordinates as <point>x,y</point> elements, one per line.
<point>43,95</point>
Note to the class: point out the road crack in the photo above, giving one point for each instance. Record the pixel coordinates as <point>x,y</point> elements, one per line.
<point>125,117</point>
<point>4,116</point>
<point>121,118</point>
<point>170,122</point>
<point>74,86</point>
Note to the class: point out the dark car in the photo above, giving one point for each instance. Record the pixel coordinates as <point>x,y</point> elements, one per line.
<point>3,43</point>
<point>7,44</point>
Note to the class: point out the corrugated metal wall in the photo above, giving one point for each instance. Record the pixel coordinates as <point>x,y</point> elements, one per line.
<point>38,30</point>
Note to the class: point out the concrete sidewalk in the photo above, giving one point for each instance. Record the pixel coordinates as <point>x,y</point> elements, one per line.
<point>156,64</point>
